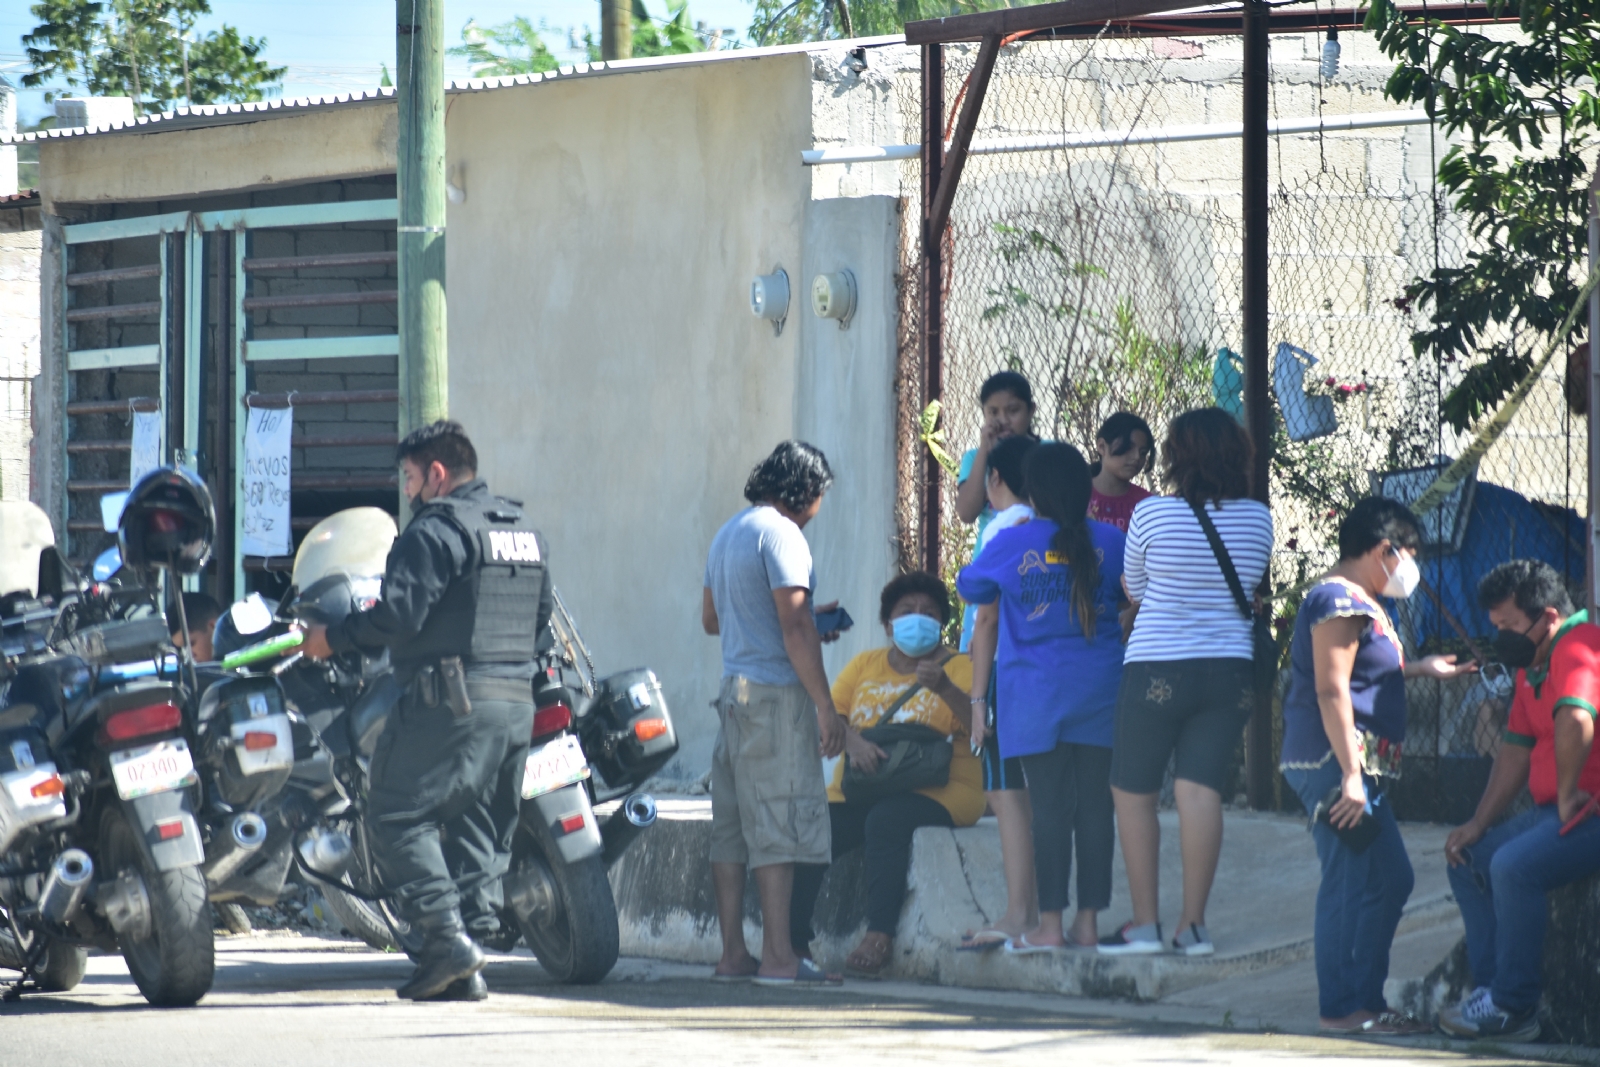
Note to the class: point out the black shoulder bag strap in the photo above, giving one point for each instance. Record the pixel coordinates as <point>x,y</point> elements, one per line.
<point>1224,561</point>
<point>900,702</point>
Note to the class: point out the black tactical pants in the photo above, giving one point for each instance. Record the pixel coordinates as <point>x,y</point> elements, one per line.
<point>443,809</point>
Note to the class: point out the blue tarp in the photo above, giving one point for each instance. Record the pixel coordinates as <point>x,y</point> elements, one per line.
<point>1503,525</point>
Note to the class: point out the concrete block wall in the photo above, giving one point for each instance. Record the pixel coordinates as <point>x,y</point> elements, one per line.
<point>302,375</point>
<point>329,375</point>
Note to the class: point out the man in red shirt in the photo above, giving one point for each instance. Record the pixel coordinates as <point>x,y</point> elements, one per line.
<point>1502,874</point>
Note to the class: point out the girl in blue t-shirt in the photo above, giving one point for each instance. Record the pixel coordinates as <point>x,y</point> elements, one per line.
<point>1057,581</point>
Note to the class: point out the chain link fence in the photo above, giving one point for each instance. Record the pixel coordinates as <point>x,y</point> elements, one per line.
<point>1110,274</point>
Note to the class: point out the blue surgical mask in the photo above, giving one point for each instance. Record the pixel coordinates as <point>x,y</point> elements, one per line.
<point>916,635</point>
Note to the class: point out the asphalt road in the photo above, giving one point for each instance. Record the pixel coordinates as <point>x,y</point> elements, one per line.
<point>287,1001</point>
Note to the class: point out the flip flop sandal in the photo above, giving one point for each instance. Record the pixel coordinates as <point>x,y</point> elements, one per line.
<point>718,977</point>
<point>983,941</point>
<point>1021,946</point>
<point>809,976</point>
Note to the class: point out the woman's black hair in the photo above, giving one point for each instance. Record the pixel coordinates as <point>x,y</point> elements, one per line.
<point>1059,487</point>
<point>912,583</point>
<point>1006,381</point>
<point>1118,431</point>
<point>1376,519</point>
<point>794,475</point>
<point>1005,459</point>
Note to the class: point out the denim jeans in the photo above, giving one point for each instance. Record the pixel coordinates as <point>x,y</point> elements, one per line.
<point>1502,892</point>
<point>1359,901</point>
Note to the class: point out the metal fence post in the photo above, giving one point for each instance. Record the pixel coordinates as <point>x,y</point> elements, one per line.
<point>1258,403</point>
<point>932,286</point>
<point>1594,398</point>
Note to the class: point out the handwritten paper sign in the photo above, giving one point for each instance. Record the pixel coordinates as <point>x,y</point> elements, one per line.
<point>266,482</point>
<point>146,445</point>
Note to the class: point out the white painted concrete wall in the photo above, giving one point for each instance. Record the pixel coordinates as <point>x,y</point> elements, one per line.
<point>603,354</point>
<point>845,406</point>
<point>20,248</point>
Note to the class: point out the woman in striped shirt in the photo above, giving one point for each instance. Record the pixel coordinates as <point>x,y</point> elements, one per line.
<point>1187,680</point>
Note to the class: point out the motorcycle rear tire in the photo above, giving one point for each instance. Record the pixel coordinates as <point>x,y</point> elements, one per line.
<point>62,969</point>
<point>175,964</point>
<point>12,957</point>
<point>375,922</point>
<point>577,943</point>
<point>233,918</point>
<point>360,919</point>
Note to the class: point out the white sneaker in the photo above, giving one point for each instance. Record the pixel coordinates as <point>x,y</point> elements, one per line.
<point>1193,941</point>
<point>1133,940</point>
<point>1478,1017</point>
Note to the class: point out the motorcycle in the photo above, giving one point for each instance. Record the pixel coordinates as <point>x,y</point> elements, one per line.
<point>592,742</point>
<point>100,845</point>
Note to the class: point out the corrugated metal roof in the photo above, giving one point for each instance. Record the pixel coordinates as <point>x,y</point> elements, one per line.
<point>228,114</point>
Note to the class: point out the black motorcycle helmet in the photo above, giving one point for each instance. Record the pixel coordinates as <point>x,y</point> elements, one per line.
<point>168,521</point>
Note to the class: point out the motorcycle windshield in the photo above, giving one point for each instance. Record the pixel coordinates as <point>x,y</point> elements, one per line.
<point>24,533</point>
<point>354,542</point>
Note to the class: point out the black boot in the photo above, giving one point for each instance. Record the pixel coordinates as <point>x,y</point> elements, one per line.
<point>447,955</point>
<point>474,988</point>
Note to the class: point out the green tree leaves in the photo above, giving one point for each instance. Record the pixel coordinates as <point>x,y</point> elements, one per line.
<point>145,49</point>
<point>671,36</point>
<point>798,21</point>
<point>521,50</point>
<point>1527,108</point>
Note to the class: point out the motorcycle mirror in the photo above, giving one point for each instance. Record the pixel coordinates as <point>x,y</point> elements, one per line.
<point>250,615</point>
<point>107,564</point>
<point>111,506</point>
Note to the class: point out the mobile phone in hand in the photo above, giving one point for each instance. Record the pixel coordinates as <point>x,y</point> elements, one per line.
<point>833,621</point>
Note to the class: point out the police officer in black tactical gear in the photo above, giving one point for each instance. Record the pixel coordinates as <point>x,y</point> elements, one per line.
<point>465,595</point>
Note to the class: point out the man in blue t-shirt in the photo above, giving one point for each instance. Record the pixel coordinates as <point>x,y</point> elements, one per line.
<point>769,806</point>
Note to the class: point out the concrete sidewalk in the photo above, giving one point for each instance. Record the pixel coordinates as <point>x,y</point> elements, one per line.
<point>1260,917</point>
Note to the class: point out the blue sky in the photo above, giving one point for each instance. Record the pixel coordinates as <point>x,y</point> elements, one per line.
<point>339,45</point>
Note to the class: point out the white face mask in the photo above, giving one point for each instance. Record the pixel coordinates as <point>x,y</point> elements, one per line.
<point>1402,581</point>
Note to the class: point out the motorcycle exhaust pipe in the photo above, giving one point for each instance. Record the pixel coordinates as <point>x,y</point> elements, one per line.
<point>245,836</point>
<point>328,852</point>
<point>70,877</point>
<point>637,813</point>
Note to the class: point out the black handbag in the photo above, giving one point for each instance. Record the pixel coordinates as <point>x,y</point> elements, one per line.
<point>1264,646</point>
<point>918,757</point>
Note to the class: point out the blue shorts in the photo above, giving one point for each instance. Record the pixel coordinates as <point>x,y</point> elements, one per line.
<point>998,774</point>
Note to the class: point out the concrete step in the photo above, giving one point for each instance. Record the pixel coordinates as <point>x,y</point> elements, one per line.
<point>1260,913</point>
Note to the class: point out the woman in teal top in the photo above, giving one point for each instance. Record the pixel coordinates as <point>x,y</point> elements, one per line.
<point>1008,409</point>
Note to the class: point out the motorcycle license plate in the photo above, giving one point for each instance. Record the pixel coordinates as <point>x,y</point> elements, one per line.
<point>277,756</point>
<point>153,768</point>
<point>553,765</point>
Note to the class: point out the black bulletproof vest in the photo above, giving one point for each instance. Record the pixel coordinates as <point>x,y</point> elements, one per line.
<point>488,616</point>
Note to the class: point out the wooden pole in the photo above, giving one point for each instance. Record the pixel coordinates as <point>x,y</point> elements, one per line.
<point>616,29</point>
<point>423,364</point>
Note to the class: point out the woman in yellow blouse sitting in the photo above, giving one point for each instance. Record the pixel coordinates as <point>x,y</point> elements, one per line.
<point>914,610</point>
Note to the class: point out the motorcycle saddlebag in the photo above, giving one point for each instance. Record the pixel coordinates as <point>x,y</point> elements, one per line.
<point>628,731</point>
<point>247,739</point>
